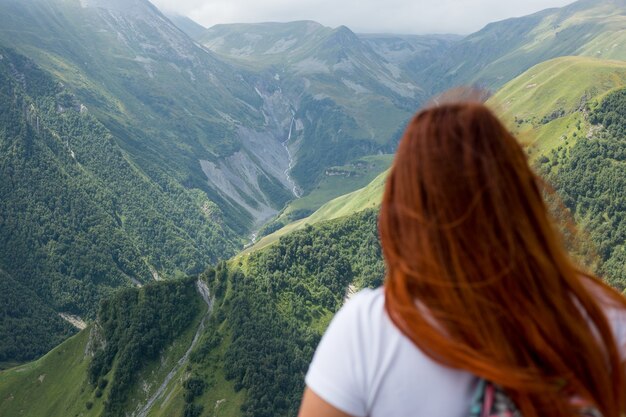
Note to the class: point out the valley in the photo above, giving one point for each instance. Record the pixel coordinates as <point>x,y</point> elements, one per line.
<point>241,166</point>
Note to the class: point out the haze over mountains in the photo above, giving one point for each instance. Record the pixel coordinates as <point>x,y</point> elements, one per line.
<point>136,147</point>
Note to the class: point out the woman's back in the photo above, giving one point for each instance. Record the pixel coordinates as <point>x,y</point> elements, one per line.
<point>364,366</point>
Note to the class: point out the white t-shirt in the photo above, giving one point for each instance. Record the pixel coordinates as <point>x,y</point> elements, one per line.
<point>364,366</point>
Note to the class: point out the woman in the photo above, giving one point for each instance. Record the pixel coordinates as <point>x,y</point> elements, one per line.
<point>478,288</point>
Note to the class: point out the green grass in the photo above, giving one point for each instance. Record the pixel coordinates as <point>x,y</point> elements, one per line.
<point>55,385</point>
<point>359,200</point>
<point>219,390</point>
<point>562,85</point>
<point>357,174</point>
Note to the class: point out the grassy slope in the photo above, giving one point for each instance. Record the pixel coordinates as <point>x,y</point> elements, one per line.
<point>333,186</point>
<point>57,383</point>
<point>354,202</point>
<point>562,85</point>
<point>54,385</point>
<point>353,176</point>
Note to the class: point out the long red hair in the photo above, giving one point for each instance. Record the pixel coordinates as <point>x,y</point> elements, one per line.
<point>478,277</point>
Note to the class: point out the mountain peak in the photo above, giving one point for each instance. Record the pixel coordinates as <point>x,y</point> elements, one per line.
<point>344,34</point>
<point>133,7</point>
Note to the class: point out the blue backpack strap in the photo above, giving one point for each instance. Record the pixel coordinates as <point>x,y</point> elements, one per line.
<point>477,399</point>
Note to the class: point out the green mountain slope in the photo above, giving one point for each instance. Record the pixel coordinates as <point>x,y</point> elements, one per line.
<point>79,217</point>
<point>545,106</point>
<point>589,176</point>
<point>28,325</point>
<point>115,364</point>
<point>362,199</point>
<point>180,113</point>
<point>504,50</point>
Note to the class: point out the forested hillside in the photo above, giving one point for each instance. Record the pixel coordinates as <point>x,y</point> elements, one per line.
<point>77,217</point>
<point>268,315</point>
<point>28,326</point>
<point>589,175</point>
<point>139,335</point>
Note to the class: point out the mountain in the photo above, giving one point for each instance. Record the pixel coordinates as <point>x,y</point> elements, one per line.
<point>270,307</point>
<point>503,50</point>
<point>347,100</point>
<point>179,112</point>
<point>79,217</point>
<point>135,154</point>
<point>131,153</point>
<point>411,53</point>
<point>187,25</point>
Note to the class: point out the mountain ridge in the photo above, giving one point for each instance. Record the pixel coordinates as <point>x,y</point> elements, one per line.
<point>502,50</point>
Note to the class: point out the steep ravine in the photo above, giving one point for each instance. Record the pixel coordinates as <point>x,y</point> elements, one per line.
<point>265,157</point>
<point>294,187</point>
<point>203,289</point>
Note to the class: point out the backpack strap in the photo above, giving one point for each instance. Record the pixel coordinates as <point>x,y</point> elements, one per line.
<point>490,400</point>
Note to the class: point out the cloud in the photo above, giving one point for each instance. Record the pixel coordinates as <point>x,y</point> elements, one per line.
<point>395,16</point>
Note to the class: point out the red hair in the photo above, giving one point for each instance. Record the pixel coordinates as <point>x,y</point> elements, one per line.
<point>477,276</point>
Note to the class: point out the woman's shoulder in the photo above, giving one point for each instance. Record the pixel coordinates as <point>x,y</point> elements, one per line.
<point>364,310</point>
<point>366,300</point>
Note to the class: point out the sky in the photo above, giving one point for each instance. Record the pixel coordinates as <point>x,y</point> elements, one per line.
<point>363,16</point>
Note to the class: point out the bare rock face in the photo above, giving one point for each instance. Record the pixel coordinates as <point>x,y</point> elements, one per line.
<point>265,155</point>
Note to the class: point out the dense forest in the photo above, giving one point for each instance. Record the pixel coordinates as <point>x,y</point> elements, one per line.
<point>134,326</point>
<point>27,325</point>
<point>78,218</point>
<point>275,305</point>
<point>589,177</point>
